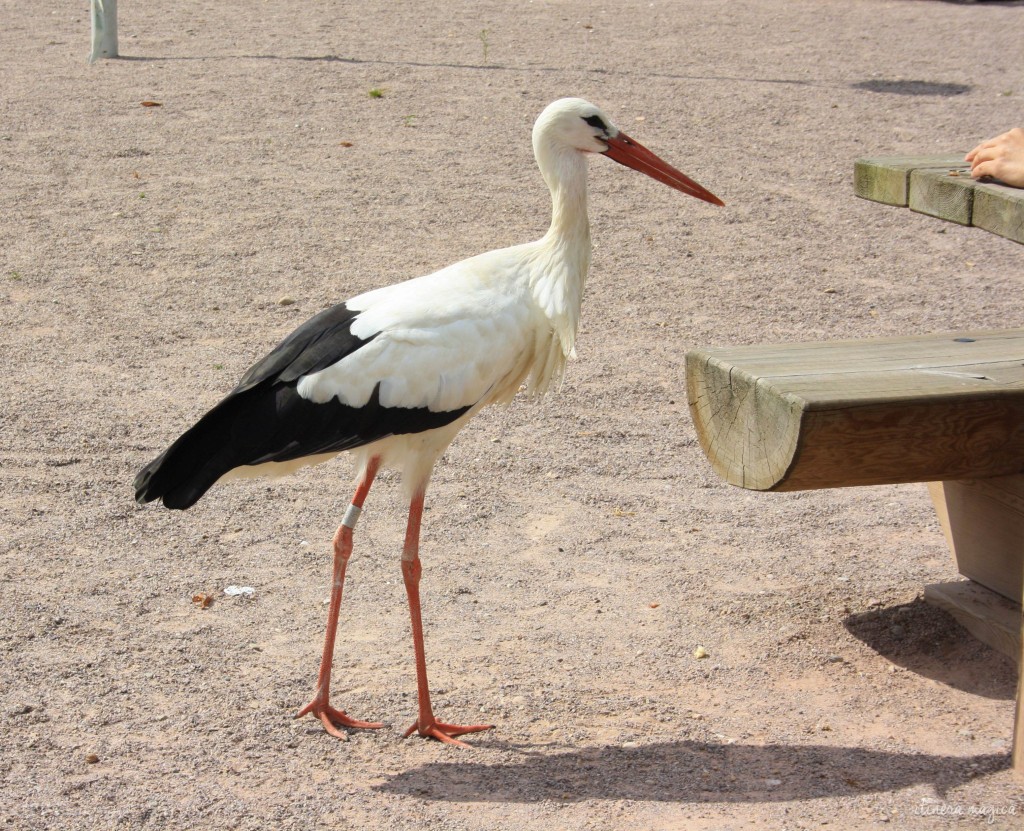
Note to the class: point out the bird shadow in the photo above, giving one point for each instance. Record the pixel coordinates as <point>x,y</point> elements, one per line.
<point>928,641</point>
<point>915,635</point>
<point>691,771</point>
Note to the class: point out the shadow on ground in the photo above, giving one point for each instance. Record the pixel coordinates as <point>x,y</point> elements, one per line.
<point>490,67</point>
<point>912,87</point>
<point>691,771</point>
<point>929,642</point>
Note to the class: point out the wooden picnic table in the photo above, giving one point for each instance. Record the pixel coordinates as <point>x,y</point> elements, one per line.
<point>945,409</point>
<point>942,186</point>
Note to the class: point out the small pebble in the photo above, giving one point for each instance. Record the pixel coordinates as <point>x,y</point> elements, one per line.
<point>92,758</point>
<point>700,652</point>
<point>286,301</point>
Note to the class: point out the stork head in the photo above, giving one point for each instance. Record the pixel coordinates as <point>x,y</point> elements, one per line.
<point>572,124</point>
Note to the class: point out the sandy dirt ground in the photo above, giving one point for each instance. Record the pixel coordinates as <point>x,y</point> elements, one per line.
<point>578,550</point>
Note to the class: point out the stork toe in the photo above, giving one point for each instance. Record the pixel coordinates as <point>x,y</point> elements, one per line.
<point>333,719</point>
<point>446,732</point>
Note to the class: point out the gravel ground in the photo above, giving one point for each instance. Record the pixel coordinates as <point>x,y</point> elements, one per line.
<point>577,551</point>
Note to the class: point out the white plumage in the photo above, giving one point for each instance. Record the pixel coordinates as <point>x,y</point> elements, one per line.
<point>393,374</point>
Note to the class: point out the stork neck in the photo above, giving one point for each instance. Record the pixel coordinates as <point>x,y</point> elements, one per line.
<point>563,258</point>
<point>567,241</point>
<point>568,185</point>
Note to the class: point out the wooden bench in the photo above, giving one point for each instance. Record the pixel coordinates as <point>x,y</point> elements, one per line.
<point>942,186</point>
<point>945,409</point>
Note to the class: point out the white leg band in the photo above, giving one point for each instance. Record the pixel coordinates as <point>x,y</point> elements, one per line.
<point>351,516</point>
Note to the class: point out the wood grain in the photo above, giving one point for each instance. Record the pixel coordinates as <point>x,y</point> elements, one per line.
<point>983,520</point>
<point>999,209</point>
<point>847,413</point>
<point>991,618</point>
<point>1018,715</point>
<point>941,186</point>
<point>886,179</point>
<point>944,194</point>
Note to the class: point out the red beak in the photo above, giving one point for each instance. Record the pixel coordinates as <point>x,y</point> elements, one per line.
<point>631,153</point>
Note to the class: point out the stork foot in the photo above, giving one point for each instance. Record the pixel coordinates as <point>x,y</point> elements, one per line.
<point>446,732</point>
<point>333,719</point>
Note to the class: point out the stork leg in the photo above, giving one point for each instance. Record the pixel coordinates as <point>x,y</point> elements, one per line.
<point>332,718</point>
<point>425,724</point>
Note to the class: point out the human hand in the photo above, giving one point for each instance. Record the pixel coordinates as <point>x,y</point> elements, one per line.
<point>1001,158</point>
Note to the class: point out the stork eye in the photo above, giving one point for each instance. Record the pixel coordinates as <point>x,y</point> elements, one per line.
<point>595,121</point>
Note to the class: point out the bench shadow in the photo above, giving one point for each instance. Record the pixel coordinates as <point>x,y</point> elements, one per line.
<point>690,771</point>
<point>928,641</point>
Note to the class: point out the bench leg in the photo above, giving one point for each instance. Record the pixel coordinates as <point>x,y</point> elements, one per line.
<point>983,521</point>
<point>1018,719</point>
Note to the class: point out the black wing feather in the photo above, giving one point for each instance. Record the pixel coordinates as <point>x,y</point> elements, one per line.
<point>322,340</point>
<point>264,419</point>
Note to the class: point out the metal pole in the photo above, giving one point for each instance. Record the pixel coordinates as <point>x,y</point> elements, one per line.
<point>104,29</point>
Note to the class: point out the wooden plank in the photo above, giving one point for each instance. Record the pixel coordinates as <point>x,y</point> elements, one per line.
<point>946,194</point>
<point>1018,718</point>
<point>905,441</point>
<point>983,521</point>
<point>941,186</point>
<point>792,417</point>
<point>991,618</point>
<point>828,390</point>
<point>930,351</point>
<point>886,179</point>
<point>724,402</point>
<point>1000,209</point>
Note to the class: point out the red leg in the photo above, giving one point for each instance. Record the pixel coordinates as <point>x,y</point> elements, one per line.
<point>332,718</point>
<point>425,724</point>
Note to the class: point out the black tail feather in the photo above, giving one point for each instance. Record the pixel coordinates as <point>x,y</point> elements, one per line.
<point>188,468</point>
<point>270,422</point>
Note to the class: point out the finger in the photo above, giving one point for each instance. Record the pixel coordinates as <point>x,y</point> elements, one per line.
<point>981,148</point>
<point>990,153</point>
<point>986,168</point>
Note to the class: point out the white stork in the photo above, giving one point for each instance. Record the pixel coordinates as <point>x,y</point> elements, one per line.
<point>395,373</point>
